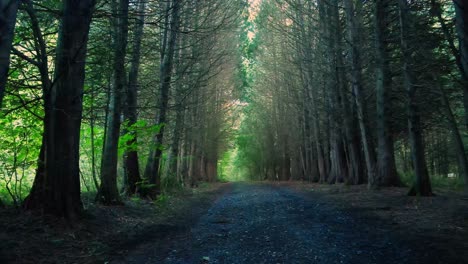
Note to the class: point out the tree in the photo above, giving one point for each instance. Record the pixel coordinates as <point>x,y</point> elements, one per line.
<point>352,9</point>
<point>386,173</point>
<point>152,171</point>
<point>131,161</point>
<point>422,185</point>
<point>436,10</point>
<point>58,192</point>
<point>461,11</point>
<point>8,11</point>
<point>457,138</point>
<point>108,191</point>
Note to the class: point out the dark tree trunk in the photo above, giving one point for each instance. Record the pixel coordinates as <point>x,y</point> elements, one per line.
<point>352,13</point>
<point>46,84</point>
<point>108,191</point>
<point>285,162</point>
<point>461,54</point>
<point>422,185</point>
<point>211,170</point>
<point>174,163</point>
<point>131,163</point>
<point>152,172</point>
<point>8,11</point>
<point>314,94</point>
<point>458,141</point>
<point>461,11</point>
<point>339,169</point>
<point>386,173</point>
<point>58,193</point>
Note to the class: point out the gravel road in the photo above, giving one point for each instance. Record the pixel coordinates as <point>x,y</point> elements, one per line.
<point>271,223</point>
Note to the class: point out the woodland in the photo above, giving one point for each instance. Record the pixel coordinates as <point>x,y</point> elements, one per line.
<point>104,102</point>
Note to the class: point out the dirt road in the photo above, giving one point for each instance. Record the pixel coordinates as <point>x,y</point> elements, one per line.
<point>270,223</point>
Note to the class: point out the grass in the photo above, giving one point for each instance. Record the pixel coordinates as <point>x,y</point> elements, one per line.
<point>437,182</point>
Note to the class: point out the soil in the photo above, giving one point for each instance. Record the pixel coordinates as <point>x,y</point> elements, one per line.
<point>105,233</point>
<point>255,223</point>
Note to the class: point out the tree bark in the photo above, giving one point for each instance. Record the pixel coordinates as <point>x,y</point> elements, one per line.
<point>108,192</point>
<point>386,173</point>
<point>461,12</point>
<point>46,84</point>
<point>58,193</point>
<point>152,173</point>
<point>462,27</point>
<point>8,12</point>
<point>422,185</point>
<point>354,26</point>
<point>457,138</point>
<point>338,165</point>
<point>131,163</point>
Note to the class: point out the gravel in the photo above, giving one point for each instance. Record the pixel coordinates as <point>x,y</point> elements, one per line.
<point>270,223</point>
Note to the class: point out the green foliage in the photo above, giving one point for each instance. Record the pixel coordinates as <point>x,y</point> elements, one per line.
<point>87,152</point>
<point>21,135</point>
<point>162,198</point>
<point>145,188</point>
<point>135,199</point>
<point>228,169</point>
<point>170,182</point>
<point>127,141</point>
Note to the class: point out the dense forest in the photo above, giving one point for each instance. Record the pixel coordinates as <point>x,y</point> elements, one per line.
<point>122,98</point>
<point>357,92</point>
<point>233,131</point>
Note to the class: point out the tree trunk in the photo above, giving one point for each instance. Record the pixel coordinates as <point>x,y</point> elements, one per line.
<point>319,143</point>
<point>132,167</point>
<point>46,84</point>
<point>457,138</point>
<point>352,14</point>
<point>386,173</point>
<point>422,185</point>
<point>461,54</point>
<point>8,11</point>
<point>58,193</point>
<point>153,173</point>
<point>173,158</point>
<point>461,11</point>
<point>108,191</point>
<point>338,165</point>
<point>211,170</point>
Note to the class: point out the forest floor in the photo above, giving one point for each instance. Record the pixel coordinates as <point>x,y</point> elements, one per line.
<point>106,232</point>
<point>253,223</point>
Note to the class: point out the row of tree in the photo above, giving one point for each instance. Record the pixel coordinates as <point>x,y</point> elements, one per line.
<point>151,81</point>
<point>356,91</point>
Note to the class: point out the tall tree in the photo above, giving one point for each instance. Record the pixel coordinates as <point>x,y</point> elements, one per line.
<point>152,171</point>
<point>59,191</point>
<point>422,185</point>
<point>462,158</point>
<point>386,173</point>
<point>131,163</point>
<point>352,9</point>
<point>8,11</point>
<point>108,191</point>
<point>339,169</point>
<point>461,11</point>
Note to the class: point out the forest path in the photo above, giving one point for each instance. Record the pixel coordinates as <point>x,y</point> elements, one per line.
<point>272,223</point>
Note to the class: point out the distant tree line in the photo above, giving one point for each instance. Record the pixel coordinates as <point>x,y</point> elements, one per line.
<point>358,92</point>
